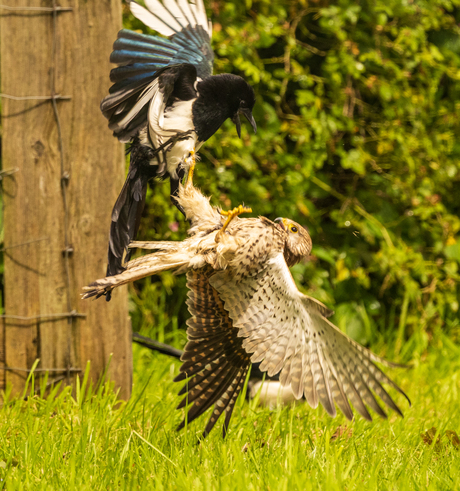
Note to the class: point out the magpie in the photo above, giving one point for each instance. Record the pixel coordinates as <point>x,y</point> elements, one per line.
<point>165,101</point>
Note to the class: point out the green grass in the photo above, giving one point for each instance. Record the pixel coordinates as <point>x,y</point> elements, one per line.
<point>90,441</point>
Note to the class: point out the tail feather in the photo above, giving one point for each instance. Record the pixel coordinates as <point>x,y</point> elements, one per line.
<point>127,212</point>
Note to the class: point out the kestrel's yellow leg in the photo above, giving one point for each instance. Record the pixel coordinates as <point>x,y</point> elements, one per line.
<point>231,214</point>
<point>189,181</point>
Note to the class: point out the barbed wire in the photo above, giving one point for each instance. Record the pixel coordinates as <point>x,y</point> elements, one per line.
<point>71,314</point>
<point>51,370</point>
<point>8,172</point>
<point>36,97</point>
<point>36,9</point>
<point>27,242</point>
<point>61,315</point>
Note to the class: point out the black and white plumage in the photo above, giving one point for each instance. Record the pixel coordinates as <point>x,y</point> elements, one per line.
<point>166,102</point>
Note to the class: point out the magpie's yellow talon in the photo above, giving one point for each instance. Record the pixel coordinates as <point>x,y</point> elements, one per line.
<point>189,181</point>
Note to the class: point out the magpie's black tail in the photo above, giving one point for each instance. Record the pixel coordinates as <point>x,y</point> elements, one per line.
<point>127,212</point>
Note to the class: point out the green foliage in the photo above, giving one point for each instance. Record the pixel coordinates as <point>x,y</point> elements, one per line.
<point>357,112</point>
<point>93,442</point>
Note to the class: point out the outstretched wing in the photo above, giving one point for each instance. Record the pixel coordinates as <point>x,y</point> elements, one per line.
<point>215,363</point>
<point>142,59</point>
<point>169,258</point>
<point>288,332</point>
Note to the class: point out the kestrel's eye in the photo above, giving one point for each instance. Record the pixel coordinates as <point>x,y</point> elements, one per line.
<point>294,229</point>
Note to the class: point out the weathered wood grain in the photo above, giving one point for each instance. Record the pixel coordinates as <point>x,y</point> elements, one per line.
<point>2,356</point>
<point>35,274</point>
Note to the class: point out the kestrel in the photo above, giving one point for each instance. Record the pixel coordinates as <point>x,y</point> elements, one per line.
<point>246,308</point>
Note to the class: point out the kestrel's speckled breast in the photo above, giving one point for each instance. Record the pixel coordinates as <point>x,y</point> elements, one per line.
<point>260,238</point>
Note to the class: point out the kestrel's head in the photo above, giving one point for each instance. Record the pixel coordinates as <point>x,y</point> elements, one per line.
<point>298,241</point>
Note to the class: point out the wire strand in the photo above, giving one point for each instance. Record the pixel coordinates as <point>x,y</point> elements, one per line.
<point>61,315</point>
<point>36,97</point>
<point>36,9</point>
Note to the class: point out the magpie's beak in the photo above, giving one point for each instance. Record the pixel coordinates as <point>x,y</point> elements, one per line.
<point>248,115</point>
<point>281,223</point>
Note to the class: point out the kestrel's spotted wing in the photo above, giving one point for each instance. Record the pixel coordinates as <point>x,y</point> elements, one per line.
<point>288,332</point>
<point>214,361</point>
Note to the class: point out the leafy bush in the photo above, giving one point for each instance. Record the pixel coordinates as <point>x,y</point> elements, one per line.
<point>357,112</point>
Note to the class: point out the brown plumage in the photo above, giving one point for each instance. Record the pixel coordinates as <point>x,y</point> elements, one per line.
<point>214,360</point>
<point>246,308</point>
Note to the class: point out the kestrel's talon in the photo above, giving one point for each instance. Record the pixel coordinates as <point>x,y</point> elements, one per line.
<point>236,211</point>
<point>189,181</point>
<point>231,214</point>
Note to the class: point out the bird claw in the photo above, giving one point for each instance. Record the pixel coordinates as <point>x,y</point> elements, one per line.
<point>231,214</point>
<point>236,211</point>
<point>192,157</point>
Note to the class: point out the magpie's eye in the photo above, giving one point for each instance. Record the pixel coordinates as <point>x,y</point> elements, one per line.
<point>294,228</point>
<point>243,104</point>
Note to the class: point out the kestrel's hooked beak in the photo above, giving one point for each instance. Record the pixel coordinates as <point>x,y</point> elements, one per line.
<point>248,115</point>
<point>281,222</point>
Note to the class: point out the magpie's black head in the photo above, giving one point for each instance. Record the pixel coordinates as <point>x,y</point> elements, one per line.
<point>221,97</point>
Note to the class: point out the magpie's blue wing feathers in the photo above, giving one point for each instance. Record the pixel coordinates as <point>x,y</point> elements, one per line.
<point>141,58</point>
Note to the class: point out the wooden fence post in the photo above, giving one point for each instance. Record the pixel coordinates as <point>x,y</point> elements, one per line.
<point>65,171</point>
<point>2,355</point>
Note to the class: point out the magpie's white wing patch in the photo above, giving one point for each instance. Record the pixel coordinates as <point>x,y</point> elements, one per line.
<point>170,17</point>
<point>156,17</point>
<point>155,117</point>
<point>165,124</point>
<point>147,94</point>
<point>201,16</point>
<point>142,57</point>
<point>185,7</point>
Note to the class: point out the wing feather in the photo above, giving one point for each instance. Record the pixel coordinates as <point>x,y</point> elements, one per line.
<point>173,9</point>
<point>184,6</point>
<point>201,14</point>
<point>352,393</point>
<point>215,363</point>
<point>142,58</point>
<point>236,388</point>
<point>149,92</point>
<point>323,376</point>
<point>147,265</point>
<point>289,333</point>
<point>158,19</point>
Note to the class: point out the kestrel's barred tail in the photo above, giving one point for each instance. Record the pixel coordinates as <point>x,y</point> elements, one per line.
<point>214,360</point>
